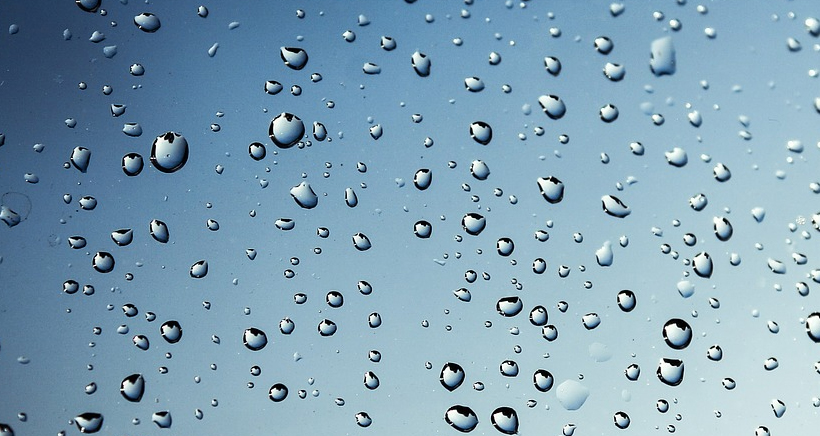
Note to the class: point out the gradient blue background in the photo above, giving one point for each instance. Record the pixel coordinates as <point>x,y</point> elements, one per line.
<point>748,68</point>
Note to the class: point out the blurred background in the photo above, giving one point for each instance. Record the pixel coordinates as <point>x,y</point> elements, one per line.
<point>409,217</point>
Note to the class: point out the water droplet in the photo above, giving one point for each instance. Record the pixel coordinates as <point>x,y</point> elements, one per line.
<point>162,419</point>
<point>370,68</point>
<point>89,422</point>
<point>539,316</point>
<point>509,368</point>
<point>676,157</point>
<point>461,418</point>
<point>286,326</point>
<point>543,380</point>
<point>702,264</point>
<point>714,353</point>
<point>159,231</point>
<point>670,371</point>
<point>388,43</point>
<point>304,196</point>
<point>421,64</point>
<point>494,58</point>
<point>286,130</point>
<point>76,242</point>
<point>141,342</point>
<point>549,332</point>
<point>463,294</point>
<point>80,157</point>
<point>133,387</point>
<point>572,394</point>
<point>351,199</point>
<point>479,170</point>
<point>552,65</point>
<point>423,229</point>
<point>721,172</point>
<point>199,269</point>
<point>473,223</point>
<point>632,372</point>
<point>779,408</point>
<point>122,237</point>
<point>254,339</point>
<point>677,333</point>
<point>614,72</point>
<point>132,164</point>
<point>423,178</point>
<point>363,419</point>
<point>505,420</point>
<point>622,420</point>
<point>474,84</point>
<point>813,326</point>
<point>509,306</point>
<point>591,320</point>
<point>608,113</point>
<point>662,61</point>
<point>361,242</point>
<point>103,262</point>
<point>294,57</point>
<point>627,300</point>
<point>603,45</point>
<point>169,152</point>
<point>452,376</point>
<point>551,189</point>
<point>88,5</point>
<point>327,327</point>
<point>481,132</point>
<point>171,331</point>
<point>147,22</point>
<point>553,106</point>
<point>505,246</point>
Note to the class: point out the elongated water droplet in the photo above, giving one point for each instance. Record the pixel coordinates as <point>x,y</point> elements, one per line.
<point>813,326</point>
<point>421,64</point>
<point>199,269</point>
<point>294,57</point>
<point>147,22</point>
<point>551,189</point>
<point>461,418</point>
<point>481,132</point>
<point>89,422</point>
<point>662,60</point>
<point>509,306</point>
<point>702,264</point>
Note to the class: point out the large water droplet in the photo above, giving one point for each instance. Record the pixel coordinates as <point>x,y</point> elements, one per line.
<point>132,164</point>
<point>473,223</point>
<point>361,242</point>
<point>162,419</point>
<point>147,22</point>
<point>553,106</point>
<point>622,420</point>
<point>89,422</point>
<point>254,339</point>
<point>572,394</point>
<point>80,157</point>
<point>509,306</point>
<point>171,331</point>
<point>141,342</point>
<point>133,387</point>
<point>304,196</point>
<point>627,300</point>
<point>371,381</point>
<point>505,246</point>
<point>505,420</point>
<point>670,371</point>
<point>813,326</point>
<point>452,376</point>
<point>199,269</point>
<point>551,189</point>
<point>677,333</point>
<point>286,130</point>
<point>702,264</point>
<point>461,418</point>
<point>543,380</point>
<point>421,64</point>
<point>423,229</point>
<point>327,327</point>
<point>363,419</point>
<point>169,152</point>
<point>481,132</point>
<point>103,262</point>
<point>278,392</point>
<point>539,316</point>
<point>479,170</point>
<point>294,57</point>
<point>662,61</point>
